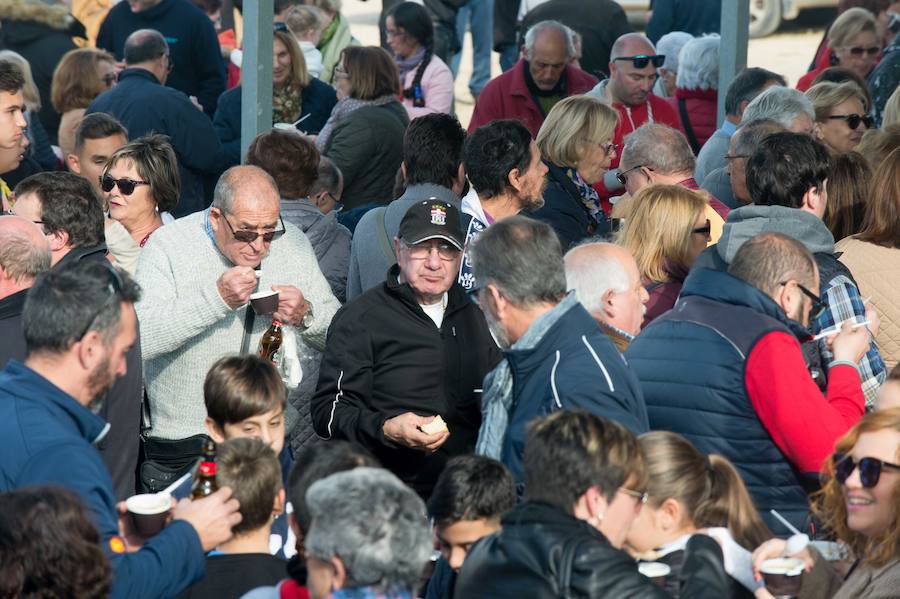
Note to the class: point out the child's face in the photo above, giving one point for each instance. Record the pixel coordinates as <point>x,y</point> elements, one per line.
<point>268,427</point>
<point>888,396</point>
<point>454,540</point>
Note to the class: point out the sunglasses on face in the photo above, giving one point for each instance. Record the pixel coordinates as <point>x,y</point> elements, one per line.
<point>857,51</point>
<point>869,469</point>
<point>279,26</point>
<point>642,60</point>
<point>109,79</point>
<point>818,306</point>
<point>704,230</point>
<point>126,186</point>
<point>853,120</point>
<point>245,236</point>
<point>622,177</point>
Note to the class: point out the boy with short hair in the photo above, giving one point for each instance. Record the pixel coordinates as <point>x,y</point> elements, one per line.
<point>471,495</point>
<point>249,467</point>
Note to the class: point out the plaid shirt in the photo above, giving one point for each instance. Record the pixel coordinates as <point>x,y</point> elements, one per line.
<point>844,302</point>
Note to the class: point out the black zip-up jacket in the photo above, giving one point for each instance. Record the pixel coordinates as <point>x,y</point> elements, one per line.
<point>542,552</point>
<point>384,357</point>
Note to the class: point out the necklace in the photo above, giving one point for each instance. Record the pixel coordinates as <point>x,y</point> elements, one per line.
<point>146,237</point>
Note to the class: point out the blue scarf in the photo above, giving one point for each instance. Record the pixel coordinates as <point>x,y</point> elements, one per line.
<point>589,196</point>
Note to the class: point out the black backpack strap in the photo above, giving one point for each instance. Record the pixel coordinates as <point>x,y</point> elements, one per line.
<point>688,130</point>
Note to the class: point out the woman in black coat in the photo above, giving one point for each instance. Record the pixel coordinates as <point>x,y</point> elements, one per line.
<point>576,144</point>
<point>295,95</point>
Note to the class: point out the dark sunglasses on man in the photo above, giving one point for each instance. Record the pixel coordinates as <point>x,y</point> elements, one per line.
<point>869,469</point>
<point>126,186</point>
<point>818,306</point>
<point>853,120</point>
<point>642,60</point>
<point>245,236</point>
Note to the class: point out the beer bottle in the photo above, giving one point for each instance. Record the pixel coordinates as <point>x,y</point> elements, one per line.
<point>205,479</point>
<point>270,342</point>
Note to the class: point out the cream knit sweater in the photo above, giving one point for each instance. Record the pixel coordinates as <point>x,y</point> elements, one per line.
<point>186,326</point>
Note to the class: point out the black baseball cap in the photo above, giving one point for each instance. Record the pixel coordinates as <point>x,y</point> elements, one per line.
<point>432,219</point>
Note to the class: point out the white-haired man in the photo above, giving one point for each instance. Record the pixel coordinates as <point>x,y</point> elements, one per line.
<point>541,78</point>
<point>608,284</point>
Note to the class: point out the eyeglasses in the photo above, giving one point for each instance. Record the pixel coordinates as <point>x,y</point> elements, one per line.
<point>731,157</point>
<point>245,236</point>
<point>857,51</point>
<point>109,79</point>
<point>114,287</point>
<point>9,212</point>
<point>642,60</point>
<point>126,186</point>
<point>704,230</point>
<point>640,496</point>
<point>279,26</point>
<point>818,306</point>
<point>869,469</point>
<point>339,72</point>
<point>420,251</point>
<point>853,120</point>
<point>623,176</point>
<point>608,148</point>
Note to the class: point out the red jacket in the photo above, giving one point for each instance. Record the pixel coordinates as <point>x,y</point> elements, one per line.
<point>508,97</point>
<point>702,107</point>
<point>805,82</point>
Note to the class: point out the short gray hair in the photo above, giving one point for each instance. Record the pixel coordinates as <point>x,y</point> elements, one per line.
<point>237,178</point>
<point>20,259</point>
<point>523,258</point>
<point>374,523</point>
<point>591,279</point>
<point>532,34</point>
<point>670,45</point>
<point>749,135</point>
<point>780,104</point>
<point>699,64</point>
<point>659,147</point>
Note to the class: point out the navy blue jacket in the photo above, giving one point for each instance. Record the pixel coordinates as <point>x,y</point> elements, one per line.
<point>317,100</point>
<point>574,367</point>
<point>564,210</point>
<point>691,363</point>
<point>193,46</point>
<point>144,106</point>
<point>693,16</point>
<point>46,438</point>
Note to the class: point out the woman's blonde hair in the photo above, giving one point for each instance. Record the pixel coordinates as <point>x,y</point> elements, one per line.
<point>829,503</point>
<point>75,82</point>
<point>710,490</point>
<point>299,77</point>
<point>849,24</point>
<point>30,92</point>
<point>658,230</point>
<point>572,124</point>
<point>826,95</point>
<point>891,114</point>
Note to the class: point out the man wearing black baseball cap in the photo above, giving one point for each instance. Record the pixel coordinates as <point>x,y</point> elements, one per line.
<point>404,362</point>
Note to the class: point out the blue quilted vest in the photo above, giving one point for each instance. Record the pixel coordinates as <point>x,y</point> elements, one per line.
<point>690,362</point>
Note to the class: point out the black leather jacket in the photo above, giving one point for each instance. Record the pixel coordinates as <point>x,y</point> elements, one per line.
<point>544,553</point>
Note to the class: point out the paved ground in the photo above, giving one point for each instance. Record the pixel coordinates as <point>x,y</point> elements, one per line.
<point>788,52</point>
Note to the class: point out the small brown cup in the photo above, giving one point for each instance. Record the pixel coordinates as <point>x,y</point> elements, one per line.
<point>783,576</point>
<point>655,571</point>
<point>264,302</point>
<point>149,512</point>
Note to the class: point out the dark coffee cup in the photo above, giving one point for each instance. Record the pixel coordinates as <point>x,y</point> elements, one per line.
<point>783,576</point>
<point>149,512</point>
<point>655,571</point>
<point>264,302</point>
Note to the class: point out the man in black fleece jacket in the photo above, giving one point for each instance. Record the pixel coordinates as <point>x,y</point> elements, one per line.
<point>197,67</point>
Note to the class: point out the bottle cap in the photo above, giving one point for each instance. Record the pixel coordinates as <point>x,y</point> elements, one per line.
<point>208,468</point>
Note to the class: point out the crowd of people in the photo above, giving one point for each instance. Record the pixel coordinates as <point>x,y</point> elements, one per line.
<point>596,343</point>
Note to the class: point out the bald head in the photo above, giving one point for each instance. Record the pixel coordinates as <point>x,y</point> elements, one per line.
<point>245,185</point>
<point>24,254</point>
<point>607,282</point>
<point>628,84</point>
<point>245,201</point>
<point>147,49</point>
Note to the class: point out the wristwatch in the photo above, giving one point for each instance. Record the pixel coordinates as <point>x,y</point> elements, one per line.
<point>307,320</point>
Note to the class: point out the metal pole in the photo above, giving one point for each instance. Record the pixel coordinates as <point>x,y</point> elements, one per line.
<point>256,72</point>
<point>735,32</point>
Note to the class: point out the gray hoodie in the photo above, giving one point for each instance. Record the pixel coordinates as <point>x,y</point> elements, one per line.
<point>330,241</point>
<point>749,221</point>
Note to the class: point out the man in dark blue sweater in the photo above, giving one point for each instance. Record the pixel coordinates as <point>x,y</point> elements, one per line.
<point>197,63</point>
<point>143,104</point>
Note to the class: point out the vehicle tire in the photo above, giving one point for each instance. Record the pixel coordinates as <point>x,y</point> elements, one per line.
<point>765,17</point>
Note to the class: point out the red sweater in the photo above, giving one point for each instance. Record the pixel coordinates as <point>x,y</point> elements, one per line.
<point>802,423</point>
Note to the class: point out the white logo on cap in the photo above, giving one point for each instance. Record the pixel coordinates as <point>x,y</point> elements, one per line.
<point>438,215</point>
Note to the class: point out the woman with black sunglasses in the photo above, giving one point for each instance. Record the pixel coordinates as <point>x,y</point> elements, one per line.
<point>841,114</point>
<point>141,184</point>
<point>860,504</point>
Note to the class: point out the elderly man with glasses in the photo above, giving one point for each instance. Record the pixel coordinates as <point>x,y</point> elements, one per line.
<point>404,363</point>
<point>198,274</point>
